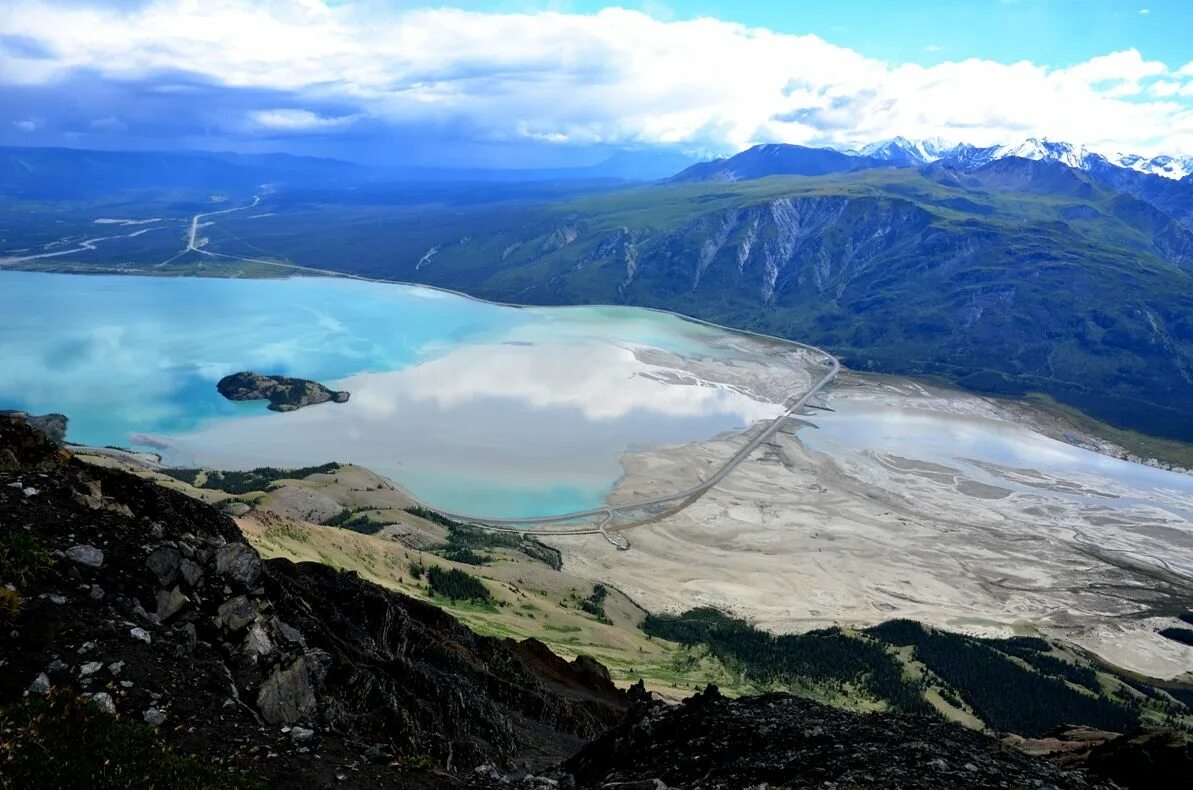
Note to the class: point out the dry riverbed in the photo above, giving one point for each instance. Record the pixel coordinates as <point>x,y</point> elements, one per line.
<point>798,538</point>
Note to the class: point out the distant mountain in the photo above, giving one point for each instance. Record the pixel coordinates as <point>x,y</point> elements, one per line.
<point>57,173</point>
<point>769,160</point>
<point>1165,182</point>
<point>782,159</point>
<point>913,153</point>
<point>900,151</point>
<point>68,173</point>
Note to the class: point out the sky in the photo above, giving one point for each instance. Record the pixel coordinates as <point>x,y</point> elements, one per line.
<point>521,83</point>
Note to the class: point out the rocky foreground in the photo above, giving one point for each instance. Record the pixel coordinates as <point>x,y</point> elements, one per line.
<point>283,392</point>
<point>185,645</point>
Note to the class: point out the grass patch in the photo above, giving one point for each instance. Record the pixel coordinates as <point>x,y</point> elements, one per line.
<point>357,522</point>
<point>64,741</point>
<point>11,604</point>
<point>463,541</point>
<point>835,663</point>
<point>287,532</point>
<point>22,558</point>
<point>258,479</point>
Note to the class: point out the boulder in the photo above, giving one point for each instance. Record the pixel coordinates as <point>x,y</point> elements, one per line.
<point>192,572</point>
<point>86,555</point>
<point>164,561</point>
<point>287,695</point>
<point>170,603</point>
<point>238,562</point>
<point>257,644</point>
<point>103,700</point>
<point>235,613</point>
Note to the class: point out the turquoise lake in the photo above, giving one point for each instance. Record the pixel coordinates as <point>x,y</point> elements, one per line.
<point>474,407</point>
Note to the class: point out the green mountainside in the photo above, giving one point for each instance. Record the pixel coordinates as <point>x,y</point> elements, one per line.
<point>1021,277</point>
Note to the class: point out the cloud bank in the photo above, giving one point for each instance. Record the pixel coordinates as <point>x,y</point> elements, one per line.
<point>291,70</point>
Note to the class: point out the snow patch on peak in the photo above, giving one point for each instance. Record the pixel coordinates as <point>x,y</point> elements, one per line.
<point>918,152</point>
<point>1166,166</point>
<point>1047,150</point>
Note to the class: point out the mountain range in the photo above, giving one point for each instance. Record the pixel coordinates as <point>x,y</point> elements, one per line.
<point>783,159</point>
<point>902,151</point>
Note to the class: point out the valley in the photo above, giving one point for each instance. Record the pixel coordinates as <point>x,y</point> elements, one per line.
<point>685,502</point>
<point>1019,276</point>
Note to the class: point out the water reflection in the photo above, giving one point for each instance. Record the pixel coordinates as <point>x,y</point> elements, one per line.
<point>473,406</point>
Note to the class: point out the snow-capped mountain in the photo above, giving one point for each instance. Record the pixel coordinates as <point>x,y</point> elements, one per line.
<point>1048,151</point>
<point>901,151</point>
<point>911,152</point>
<point>1167,166</point>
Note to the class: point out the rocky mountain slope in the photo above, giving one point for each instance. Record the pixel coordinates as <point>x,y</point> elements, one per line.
<point>152,605</point>
<point>782,741</point>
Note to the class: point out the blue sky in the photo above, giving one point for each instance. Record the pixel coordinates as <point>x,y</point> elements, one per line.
<point>1054,32</point>
<point>525,83</point>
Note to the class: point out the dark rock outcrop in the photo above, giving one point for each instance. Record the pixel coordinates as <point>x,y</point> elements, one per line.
<point>777,740</point>
<point>52,425</point>
<point>283,392</point>
<point>182,618</point>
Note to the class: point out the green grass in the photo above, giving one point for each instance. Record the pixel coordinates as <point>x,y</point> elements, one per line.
<point>61,740</point>
<point>22,557</point>
<point>233,482</point>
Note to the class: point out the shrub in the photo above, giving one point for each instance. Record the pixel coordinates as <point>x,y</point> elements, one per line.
<point>465,556</point>
<point>22,558</point>
<point>595,603</point>
<point>457,585</point>
<point>10,605</point>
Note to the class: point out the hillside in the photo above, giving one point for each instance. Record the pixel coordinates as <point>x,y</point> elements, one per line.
<point>1027,686</point>
<point>151,605</point>
<point>1020,277</point>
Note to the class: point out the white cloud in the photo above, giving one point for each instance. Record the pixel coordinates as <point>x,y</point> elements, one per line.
<point>296,120</point>
<point>1144,11</point>
<point>27,124</point>
<point>619,76</point>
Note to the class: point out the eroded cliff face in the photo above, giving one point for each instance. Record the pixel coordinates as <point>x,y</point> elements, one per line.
<point>769,251</point>
<point>153,604</point>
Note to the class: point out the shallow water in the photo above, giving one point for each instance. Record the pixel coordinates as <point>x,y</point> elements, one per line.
<point>474,407</point>
<point>995,453</point>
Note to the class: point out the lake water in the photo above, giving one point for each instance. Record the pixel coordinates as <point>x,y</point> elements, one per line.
<point>474,407</point>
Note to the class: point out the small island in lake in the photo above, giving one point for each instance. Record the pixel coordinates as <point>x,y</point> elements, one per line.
<point>283,392</point>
